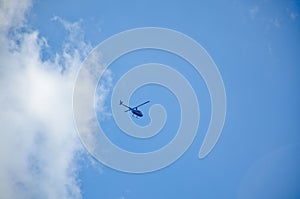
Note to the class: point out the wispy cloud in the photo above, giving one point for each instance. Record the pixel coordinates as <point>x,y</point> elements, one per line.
<point>38,145</point>
<point>253,11</point>
<point>276,22</point>
<point>293,15</point>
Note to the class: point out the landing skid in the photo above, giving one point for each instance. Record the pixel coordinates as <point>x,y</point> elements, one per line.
<point>136,116</point>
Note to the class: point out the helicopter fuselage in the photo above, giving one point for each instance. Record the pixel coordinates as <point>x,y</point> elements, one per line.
<point>137,112</point>
<point>134,110</point>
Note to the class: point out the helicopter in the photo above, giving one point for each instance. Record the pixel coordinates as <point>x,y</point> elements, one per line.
<point>134,110</point>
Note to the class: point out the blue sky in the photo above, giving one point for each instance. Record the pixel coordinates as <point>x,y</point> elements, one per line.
<point>255,45</point>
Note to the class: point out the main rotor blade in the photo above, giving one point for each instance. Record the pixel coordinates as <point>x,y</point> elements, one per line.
<point>142,104</point>
<point>124,105</point>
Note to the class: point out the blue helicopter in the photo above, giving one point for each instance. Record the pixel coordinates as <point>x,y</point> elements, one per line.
<point>134,110</point>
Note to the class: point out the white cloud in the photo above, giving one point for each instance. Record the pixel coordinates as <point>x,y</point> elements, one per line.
<point>38,144</point>
<point>102,92</point>
<point>12,13</point>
